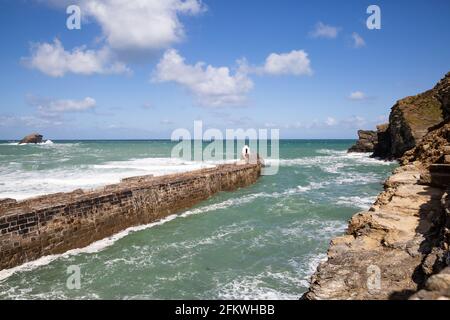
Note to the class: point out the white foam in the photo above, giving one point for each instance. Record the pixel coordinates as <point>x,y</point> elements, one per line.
<point>364,158</point>
<point>307,266</point>
<point>9,144</point>
<point>20,184</point>
<point>253,288</point>
<point>331,161</point>
<point>331,151</point>
<point>157,165</point>
<point>43,143</point>
<point>313,229</point>
<point>355,178</point>
<point>356,201</point>
<point>301,189</point>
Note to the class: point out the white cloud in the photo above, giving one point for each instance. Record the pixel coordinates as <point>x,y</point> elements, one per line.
<point>69,105</point>
<point>322,30</point>
<point>53,108</point>
<point>28,121</point>
<point>212,86</point>
<point>53,60</point>
<point>141,24</point>
<point>166,122</point>
<point>357,95</point>
<point>295,62</point>
<point>49,112</point>
<point>147,106</point>
<point>127,26</point>
<point>358,41</point>
<point>330,121</point>
<point>351,122</point>
<point>356,122</point>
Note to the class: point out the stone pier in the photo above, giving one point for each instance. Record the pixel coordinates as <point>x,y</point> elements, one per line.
<point>56,223</point>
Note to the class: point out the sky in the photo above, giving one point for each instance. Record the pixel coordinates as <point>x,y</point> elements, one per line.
<point>139,69</point>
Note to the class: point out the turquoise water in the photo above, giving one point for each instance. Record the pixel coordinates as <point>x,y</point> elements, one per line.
<point>260,242</point>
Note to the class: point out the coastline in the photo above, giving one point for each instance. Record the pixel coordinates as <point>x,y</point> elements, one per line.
<point>395,237</point>
<point>399,248</point>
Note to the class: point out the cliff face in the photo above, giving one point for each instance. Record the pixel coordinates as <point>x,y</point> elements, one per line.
<point>383,146</point>
<point>412,117</point>
<point>443,95</point>
<point>367,139</point>
<point>433,149</point>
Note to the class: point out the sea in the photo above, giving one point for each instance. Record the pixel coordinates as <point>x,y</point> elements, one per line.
<point>259,242</point>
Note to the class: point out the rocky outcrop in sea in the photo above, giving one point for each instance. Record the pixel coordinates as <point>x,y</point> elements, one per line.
<point>32,138</point>
<point>367,139</point>
<point>399,248</point>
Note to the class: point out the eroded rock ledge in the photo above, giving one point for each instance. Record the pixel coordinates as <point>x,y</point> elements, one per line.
<point>390,250</point>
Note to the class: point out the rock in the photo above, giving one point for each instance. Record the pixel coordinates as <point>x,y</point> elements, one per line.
<point>411,119</point>
<point>433,148</point>
<point>401,245</point>
<point>399,249</point>
<point>383,147</point>
<point>443,95</point>
<point>390,250</point>
<point>32,138</point>
<point>446,150</point>
<point>437,287</point>
<point>366,142</point>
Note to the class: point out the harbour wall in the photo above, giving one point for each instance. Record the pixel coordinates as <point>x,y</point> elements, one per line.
<point>56,223</point>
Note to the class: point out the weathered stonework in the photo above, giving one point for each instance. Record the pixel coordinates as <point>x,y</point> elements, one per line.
<point>59,222</point>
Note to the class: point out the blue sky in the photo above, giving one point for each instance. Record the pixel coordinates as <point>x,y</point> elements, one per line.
<point>310,68</point>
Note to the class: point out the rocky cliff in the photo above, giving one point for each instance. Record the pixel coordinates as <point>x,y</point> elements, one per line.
<point>367,139</point>
<point>383,146</point>
<point>389,251</point>
<point>443,95</point>
<point>399,248</point>
<point>412,117</point>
